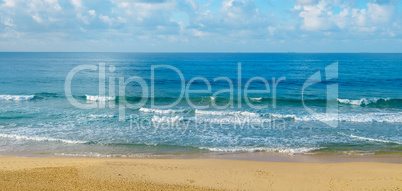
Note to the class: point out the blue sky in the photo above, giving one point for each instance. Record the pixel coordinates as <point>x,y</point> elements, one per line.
<point>201,25</point>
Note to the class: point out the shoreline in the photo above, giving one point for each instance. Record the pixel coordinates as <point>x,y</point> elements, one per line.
<point>57,173</point>
<point>243,156</point>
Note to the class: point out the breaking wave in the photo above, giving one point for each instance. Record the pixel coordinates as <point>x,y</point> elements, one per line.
<point>261,149</point>
<point>99,98</point>
<point>379,102</point>
<point>370,139</point>
<point>220,113</point>
<point>160,111</point>
<point>16,97</point>
<point>47,139</point>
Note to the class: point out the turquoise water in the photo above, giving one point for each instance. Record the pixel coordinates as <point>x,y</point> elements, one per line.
<point>365,115</point>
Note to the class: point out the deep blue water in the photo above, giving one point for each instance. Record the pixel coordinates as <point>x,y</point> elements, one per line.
<point>364,92</point>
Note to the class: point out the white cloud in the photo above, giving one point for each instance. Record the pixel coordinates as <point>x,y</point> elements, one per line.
<point>92,12</point>
<point>37,18</point>
<point>54,3</point>
<point>272,30</point>
<point>144,10</point>
<point>320,16</point>
<point>239,12</point>
<point>234,19</point>
<point>198,33</point>
<point>380,13</point>
<point>8,3</point>
<point>76,3</point>
<point>111,21</point>
<point>192,3</point>
<point>82,12</point>
<point>315,16</point>
<point>342,19</point>
<point>207,22</point>
<point>7,21</point>
<point>305,2</point>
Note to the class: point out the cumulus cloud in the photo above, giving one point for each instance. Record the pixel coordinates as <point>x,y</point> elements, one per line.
<point>315,16</point>
<point>234,19</point>
<point>92,12</point>
<point>111,21</point>
<point>321,16</point>
<point>8,3</point>
<point>76,3</point>
<point>227,23</point>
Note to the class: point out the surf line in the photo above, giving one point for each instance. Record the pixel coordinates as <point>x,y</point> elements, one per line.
<point>148,90</point>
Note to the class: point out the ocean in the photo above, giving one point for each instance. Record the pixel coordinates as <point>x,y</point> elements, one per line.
<point>145,104</point>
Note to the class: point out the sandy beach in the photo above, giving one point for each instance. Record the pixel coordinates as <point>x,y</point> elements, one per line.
<point>17,173</point>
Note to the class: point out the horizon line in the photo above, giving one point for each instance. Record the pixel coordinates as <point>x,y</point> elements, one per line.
<point>201,52</point>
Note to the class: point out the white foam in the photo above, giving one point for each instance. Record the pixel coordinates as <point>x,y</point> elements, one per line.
<point>353,117</point>
<point>260,149</point>
<point>363,101</point>
<point>22,137</point>
<point>231,120</point>
<point>99,98</point>
<point>220,113</point>
<point>241,117</point>
<point>160,111</point>
<point>166,119</point>
<point>101,155</point>
<point>256,98</point>
<point>246,113</point>
<point>102,116</point>
<point>280,116</point>
<point>16,97</point>
<point>298,150</point>
<point>370,139</point>
<point>318,117</point>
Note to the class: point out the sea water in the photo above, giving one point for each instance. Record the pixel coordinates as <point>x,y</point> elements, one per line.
<point>36,116</point>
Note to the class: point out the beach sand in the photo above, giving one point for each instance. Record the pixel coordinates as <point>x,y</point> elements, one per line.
<point>17,173</point>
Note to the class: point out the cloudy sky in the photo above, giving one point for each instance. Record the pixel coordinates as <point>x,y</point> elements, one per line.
<point>201,25</point>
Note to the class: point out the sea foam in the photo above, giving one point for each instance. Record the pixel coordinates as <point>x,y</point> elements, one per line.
<point>16,97</point>
<point>349,117</point>
<point>47,139</point>
<point>220,113</point>
<point>370,139</point>
<point>261,149</point>
<point>102,116</point>
<point>165,119</point>
<point>363,101</point>
<point>99,98</point>
<point>160,111</point>
<point>103,155</point>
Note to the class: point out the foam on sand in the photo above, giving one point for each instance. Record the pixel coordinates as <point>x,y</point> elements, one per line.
<point>261,149</point>
<point>102,155</point>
